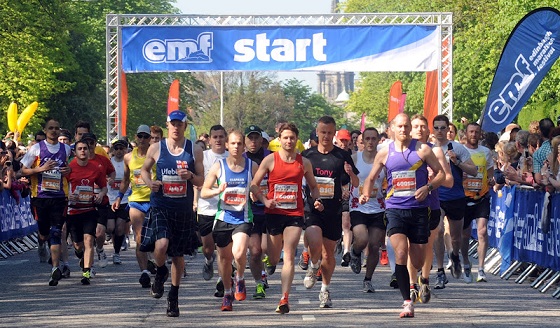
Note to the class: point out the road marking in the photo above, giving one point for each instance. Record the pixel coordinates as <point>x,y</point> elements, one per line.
<point>304,301</point>
<point>13,262</point>
<point>301,288</point>
<point>308,317</point>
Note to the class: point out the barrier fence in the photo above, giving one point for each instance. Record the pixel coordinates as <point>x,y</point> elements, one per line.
<point>17,226</point>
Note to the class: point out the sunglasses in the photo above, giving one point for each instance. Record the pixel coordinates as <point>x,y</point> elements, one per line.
<point>440,127</point>
<point>143,136</point>
<point>119,148</point>
<point>53,128</point>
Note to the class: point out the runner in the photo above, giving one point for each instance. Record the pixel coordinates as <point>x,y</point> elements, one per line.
<point>345,143</point>
<point>331,167</point>
<point>234,217</point>
<point>46,163</point>
<point>284,203</point>
<point>407,207</point>
<point>171,228</point>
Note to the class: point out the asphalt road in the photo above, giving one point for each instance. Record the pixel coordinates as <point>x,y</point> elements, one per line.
<point>116,299</point>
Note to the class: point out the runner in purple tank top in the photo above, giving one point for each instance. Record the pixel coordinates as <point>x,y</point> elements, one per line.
<point>407,190</point>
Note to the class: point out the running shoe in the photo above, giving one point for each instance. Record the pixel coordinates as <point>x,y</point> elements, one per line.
<point>102,258</point>
<point>152,266</point>
<point>227,302</point>
<point>346,259</point>
<point>259,292</point>
<point>117,259</point>
<point>240,290</point>
<point>449,264</point>
<point>283,306</point>
<point>219,288</point>
<point>86,276</point>
<point>481,276</point>
<point>364,262</point>
<point>424,293</point>
<point>467,275</point>
<point>384,259</point>
<point>304,260</point>
<point>394,282</point>
<point>65,271</point>
<point>368,287</point>
<point>413,293</point>
<point>355,262</point>
<point>408,310</point>
<point>339,246</point>
<point>319,275</point>
<point>44,253</point>
<point>441,280</point>
<point>145,280</point>
<point>172,307</point>
<point>310,277</point>
<point>157,287</point>
<point>208,269</point>
<point>270,269</point>
<point>456,266</point>
<point>56,275</point>
<point>125,244</point>
<point>325,299</point>
<point>264,281</point>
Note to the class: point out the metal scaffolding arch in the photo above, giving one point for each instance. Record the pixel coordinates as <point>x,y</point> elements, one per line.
<point>115,22</point>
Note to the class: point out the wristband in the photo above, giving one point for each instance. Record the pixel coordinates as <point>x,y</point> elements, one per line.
<point>120,195</point>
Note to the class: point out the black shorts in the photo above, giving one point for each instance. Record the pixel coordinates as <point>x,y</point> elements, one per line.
<point>205,224</point>
<point>413,223</point>
<point>375,220</point>
<point>276,223</point>
<point>49,212</point>
<point>435,218</point>
<point>178,227</point>
<point>454,209</point>
<point>479,208</point>
<point>329,220</point>
<point>82,224</point>
<point>120,213</point>
<point>223,231</point>
<point>259,224</point>
<point>103,211</point>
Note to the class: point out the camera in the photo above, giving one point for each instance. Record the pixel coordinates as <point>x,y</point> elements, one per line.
<point>8,163</point>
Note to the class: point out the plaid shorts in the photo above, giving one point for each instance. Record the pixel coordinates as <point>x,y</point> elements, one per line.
<point>178,227</point>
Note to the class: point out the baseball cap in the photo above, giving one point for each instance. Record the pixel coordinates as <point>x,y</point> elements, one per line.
<point>144,129</point>
<point>253,129</point>
<point>176,115</point>
<point>89,135</point>
<point>65,133</point>
<point>122,141</point>
<point>265,136</point>
<point>343,134</point>
<point>313,136</point>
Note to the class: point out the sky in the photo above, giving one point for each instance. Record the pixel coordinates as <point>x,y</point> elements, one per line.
<point>261,7</point>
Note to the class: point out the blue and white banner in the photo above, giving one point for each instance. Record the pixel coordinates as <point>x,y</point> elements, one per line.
<point>303,48</point>
<point>532,48</point>
<point>500,224</point>
<point>16,220</point>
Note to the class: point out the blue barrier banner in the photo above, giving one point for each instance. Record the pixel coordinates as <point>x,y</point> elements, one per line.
<point>305,48</point>
<point>553,235</point>
<point>16,221</point>
<point>501,223</point>
<point>532,48</point>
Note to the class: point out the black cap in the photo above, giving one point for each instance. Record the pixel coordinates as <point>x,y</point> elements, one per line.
<point>253,129</point>
<point>121,141</point>
<point>89,135</point>
<point>313,136</point>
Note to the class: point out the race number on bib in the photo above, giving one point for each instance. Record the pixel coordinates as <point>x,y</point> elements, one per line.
<point>50,180</point>
<point>373,193</point>
<point>404,183</point>
<point>85,194</point>
<point>235,196</point>
<point>138,181</point>
<point>286,196</point>
<point>326,187</point>
<point>174,186</point>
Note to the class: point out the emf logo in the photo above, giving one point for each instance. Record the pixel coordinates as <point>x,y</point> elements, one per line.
<point>180,50</point>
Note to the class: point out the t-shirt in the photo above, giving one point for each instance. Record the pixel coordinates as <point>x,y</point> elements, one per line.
<point>477,186</point>
<point>457,191</point>
<point>81,181</point>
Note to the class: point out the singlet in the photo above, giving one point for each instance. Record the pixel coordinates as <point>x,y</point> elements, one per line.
<point>113,190</point>
<point>51,183</point>
<point>477,186</point>
<point>209,206</point>
<point>285,186</point>
<point>81,181</point>
<point>175,194</point>
<point>140,190</point>
<point>233,206</point>
<point>376,203</point>
<point>258,207</point>
<point>406,173</point>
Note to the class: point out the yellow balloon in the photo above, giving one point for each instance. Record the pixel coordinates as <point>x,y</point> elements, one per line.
<point>12,117</point>
<point>26,115</point>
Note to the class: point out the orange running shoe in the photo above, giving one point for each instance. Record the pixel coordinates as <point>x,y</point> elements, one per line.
<point>227,303</point>
<point>319,275</point>
<point>384,259</point>
<point>283,306</point>
<point>240,291</point>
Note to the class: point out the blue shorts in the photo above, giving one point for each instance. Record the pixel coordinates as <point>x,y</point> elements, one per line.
<point>143,207</point>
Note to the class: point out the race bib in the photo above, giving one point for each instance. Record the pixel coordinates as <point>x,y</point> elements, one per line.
<point>404,183</point>
<point>50,180</point>
<point>174,186</point>
<point>235,197</point>
<point>473,184</point>
<point>373,193</point>
<point>137,177</point>
<point>263,187</point>
<point>286,196</point>
<point>85,194</point>
<point>116,185</point>
<point>326,187</point>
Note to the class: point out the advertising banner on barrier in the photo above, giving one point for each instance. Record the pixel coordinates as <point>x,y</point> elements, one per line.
<point>532,48</point>
<point>312,48</point>
<point>16,220</point>
<point>500,224</point>
<point>553,235</point>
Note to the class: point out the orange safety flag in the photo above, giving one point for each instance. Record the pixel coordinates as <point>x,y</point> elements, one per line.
<point>395,95</point>
<point>363,123</point>
<point>431,97</point>
<point>124,104</point>
<point>173,99</point>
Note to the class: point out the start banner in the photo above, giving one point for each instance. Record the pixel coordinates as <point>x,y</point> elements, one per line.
<point>304,48</point>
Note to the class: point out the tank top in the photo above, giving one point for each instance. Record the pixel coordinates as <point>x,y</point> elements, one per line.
<point>113,189</point>
<point>256,206</point>
<point>51,183</point>
<point>140,190</point>
<point>406,173</point>
<point>209,206</point>
<point>376,203</point>
<point>175,194</point>
<point>285,186</point>
<point>233,206</point>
